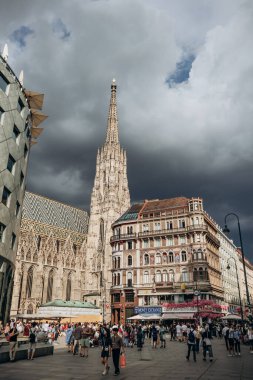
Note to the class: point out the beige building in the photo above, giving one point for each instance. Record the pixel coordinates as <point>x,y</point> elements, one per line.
<point>230,269</point>
<point>163,252</point>
<point>50,261</point>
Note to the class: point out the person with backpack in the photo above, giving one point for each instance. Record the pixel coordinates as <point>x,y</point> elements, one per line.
<point>191,342</point>
<point>32,341</point>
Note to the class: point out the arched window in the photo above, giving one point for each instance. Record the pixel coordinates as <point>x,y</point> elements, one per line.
<point>67,264</point>
<point>50,284</point>
<point>68,288</point>
<point>201,274</point>
<point>49,259</point>
<point>118,262</point>
<point>35,257</point>
<point>102,230</point>
<point>129,279</point>
<point>146,259</point>
<point>171,275</point>
<point>158,276</point>
<point>114,279</point>
<point>20,288</point>
<point>28,255</point>
<point>118,279</point>
<point>165,258</point>
<point>130,260</point>
<point>171,257</point>
<point>195,255</point>
<point>129,230</point>
<point>184,275</point>
<point>38,242</point>
<point>200,254</point>
<point>158,258</point>
<point>195,274</point>
<point>183,256</point>
<point>29,283</point>
<point>165,276</point>
<point>30,309</point>
<point>146,277</point>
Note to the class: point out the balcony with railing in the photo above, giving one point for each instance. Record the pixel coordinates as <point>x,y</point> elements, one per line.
<point>158,232</point>
<point>123,237</point>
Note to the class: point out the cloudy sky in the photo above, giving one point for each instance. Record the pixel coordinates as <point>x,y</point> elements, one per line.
<point>184,71</point>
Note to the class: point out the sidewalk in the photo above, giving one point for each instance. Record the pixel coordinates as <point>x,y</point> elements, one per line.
<point>149,364</point>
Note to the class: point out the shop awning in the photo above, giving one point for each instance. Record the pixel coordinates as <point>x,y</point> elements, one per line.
<point>178,316</point>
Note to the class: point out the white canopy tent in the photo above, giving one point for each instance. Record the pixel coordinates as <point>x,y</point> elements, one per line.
<point>151,317</point>
<point>232,317</point>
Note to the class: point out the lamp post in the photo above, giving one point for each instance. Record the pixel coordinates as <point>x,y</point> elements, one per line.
<point>103,309</point>
<point>226,230</point>
<point>239,291</point>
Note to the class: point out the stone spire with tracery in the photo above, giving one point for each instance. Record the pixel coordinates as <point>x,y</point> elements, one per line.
<point>112,134</point>
<point>110,198</point>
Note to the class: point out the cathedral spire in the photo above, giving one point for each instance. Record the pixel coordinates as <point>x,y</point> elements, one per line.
<point>112,134</point>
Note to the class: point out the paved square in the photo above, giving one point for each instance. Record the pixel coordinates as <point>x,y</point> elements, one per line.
<point>148,364</point>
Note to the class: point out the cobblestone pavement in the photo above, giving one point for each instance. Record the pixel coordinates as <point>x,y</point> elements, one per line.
<point>149,364</point>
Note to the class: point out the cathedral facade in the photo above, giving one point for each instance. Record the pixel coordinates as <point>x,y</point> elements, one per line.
<point>65,254</point>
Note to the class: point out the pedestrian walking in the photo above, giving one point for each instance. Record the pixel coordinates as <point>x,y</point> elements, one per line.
<point>250,338</point>
<point>68,333</point>
<point>231,341</point>
<point>139,337</point>
<point>207,344</point>
<point>77,333</point>
<point>117,349</point>
<point>154,335</point>
<point>106,343</point>
<point>162,336</point>
<point>13,338</point>
<point>237,339</point>
<point>32,341</point>
<point>191,341</point>
<point>225,335</point>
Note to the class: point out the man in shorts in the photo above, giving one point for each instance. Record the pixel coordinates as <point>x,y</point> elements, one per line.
<point>13,339</point>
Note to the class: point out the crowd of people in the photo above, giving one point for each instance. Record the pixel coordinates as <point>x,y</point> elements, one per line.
<point>113,340</point>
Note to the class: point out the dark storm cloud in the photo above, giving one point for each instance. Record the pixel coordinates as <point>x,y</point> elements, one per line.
<point>61,29</point>
<point>193,139</point>
<point>20,35</point>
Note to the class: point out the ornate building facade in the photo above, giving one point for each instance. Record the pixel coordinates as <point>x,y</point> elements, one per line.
<point>19,118</point>
<point>164,251</point>
<point>50,261</point>
<point>110,198</point>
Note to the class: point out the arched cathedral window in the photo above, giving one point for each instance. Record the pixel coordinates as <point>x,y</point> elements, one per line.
<point>50,285</point>
<point>68,288</point>
<point>102,230</point>
<point>30,309</point>
<point>29,283</point>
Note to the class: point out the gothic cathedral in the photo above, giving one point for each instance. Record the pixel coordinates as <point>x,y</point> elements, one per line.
<point>63,253</point>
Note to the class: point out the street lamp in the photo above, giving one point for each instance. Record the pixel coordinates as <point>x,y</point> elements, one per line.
<point>226,230</point>
<point>239,291</point>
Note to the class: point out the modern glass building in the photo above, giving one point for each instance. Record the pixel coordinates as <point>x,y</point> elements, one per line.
<point>19,118</point>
